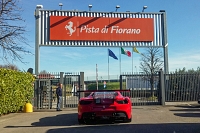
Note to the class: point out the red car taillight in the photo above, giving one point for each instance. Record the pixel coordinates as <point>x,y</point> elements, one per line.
<point>85,102</point>
<point>125,101</point>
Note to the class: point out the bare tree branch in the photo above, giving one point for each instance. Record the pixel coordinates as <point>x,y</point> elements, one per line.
<point>12,30</point>
<point>151,63</point>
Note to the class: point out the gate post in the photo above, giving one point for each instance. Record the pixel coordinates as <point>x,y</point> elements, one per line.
<point>61,81</point>
<point>161,87</point>
<point>65,91</point>
<point>36,94</point>
<point>120,81</point>
<point>82,94</point>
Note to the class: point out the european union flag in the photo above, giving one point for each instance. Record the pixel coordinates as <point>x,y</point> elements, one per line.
<point>110,53</point>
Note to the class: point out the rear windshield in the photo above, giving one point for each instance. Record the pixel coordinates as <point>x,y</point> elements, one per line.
<point>101,95</point>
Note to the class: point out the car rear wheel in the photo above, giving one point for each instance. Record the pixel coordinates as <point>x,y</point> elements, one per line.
<point>128,120</point>
<point>89,121</point>
<point>80,121</point>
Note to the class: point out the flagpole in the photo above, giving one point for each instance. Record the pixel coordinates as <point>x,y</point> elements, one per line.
<point>110,53</point>
<point>135,50</point>
<point>132,60</point>
<point>119,62</point>
<point>108,66</point>
<point>97,76</point>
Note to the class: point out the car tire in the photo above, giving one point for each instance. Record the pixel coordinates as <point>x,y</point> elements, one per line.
<point>80,121</point>
<point>128,120</point>
<point>90,121</point>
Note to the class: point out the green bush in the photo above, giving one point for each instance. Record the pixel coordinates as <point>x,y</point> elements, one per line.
<point>16,89</point>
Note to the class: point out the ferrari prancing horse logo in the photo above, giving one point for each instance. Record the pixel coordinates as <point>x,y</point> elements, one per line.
<point>70,28</point>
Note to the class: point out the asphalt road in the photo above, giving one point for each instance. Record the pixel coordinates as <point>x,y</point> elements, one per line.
<point>146,119</point>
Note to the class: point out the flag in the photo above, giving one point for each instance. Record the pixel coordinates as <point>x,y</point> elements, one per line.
<point>135,50</point>
<point>110,53</point>
<point>126,52</point>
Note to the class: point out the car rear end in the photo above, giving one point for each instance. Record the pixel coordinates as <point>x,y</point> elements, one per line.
<point>105,106</point>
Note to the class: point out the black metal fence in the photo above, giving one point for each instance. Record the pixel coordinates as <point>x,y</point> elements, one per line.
<point>182,87</point>
<point>144,89</point>
<point>178,88</point>
<point>45,90</point>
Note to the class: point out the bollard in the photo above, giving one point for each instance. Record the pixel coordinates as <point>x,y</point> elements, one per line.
<point>28,108</point>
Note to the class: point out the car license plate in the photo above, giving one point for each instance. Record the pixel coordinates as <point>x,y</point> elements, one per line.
<point>98,100</point>
<point>105,117</point>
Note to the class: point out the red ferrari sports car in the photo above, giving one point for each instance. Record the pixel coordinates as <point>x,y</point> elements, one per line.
<point>104,105</point>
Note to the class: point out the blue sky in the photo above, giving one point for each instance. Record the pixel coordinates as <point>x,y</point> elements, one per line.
<point>183,30</point>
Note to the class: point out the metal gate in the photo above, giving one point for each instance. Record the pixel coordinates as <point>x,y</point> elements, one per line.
<point>45,90</point>
<point>71,86</point>
<point>143,89</point>
<point>45,97</point>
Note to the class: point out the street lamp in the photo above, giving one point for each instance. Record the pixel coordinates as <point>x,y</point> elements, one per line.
<point>117,6</point>
<point>144,7</point>
<point>90,6</point>
<point>39,6</point>
<point>60,4</point>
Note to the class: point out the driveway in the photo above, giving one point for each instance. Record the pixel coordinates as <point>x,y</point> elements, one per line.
<point>146,119</point>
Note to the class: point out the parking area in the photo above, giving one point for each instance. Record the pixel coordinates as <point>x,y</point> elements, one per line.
<point>184,118</point>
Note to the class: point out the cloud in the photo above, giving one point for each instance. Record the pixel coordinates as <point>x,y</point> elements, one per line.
<point>189,60</point>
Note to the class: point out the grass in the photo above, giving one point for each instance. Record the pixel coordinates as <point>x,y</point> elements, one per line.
<point>152,98</point>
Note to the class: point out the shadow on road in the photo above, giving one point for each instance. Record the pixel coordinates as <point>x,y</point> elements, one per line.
<point>56,123</point>
<point>188,106</point>
<point>58,120</point>
<point>187,111</point>
<point>188,115</point>
<point>132,128</point>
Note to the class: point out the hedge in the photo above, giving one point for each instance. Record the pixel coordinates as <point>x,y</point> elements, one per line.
<point>16,89</point>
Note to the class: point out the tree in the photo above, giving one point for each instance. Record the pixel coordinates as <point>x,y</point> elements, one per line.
<point>43,72</point>
<point>10,66</point>
<point>151,63</point>
<point>189,71</point>
<point>12,30</point>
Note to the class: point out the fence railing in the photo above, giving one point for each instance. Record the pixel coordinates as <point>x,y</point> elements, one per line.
<point>182,87</point>
<point>178,87</point>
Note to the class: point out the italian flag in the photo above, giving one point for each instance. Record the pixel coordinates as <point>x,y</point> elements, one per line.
<point>126,52</point>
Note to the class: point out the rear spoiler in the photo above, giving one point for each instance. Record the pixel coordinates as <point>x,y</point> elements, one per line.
<point>104,90</point>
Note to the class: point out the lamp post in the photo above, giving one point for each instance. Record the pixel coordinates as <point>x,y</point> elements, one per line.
<point>144,7</point>
<point>117,7</point>
<point>60,4</point>
<point>90,6</point>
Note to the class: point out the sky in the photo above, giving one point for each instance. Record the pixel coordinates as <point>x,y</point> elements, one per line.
<point>183,34</point>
